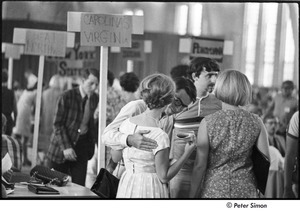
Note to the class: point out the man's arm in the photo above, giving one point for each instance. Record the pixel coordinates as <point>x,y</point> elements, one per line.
<point>291,153</point>
<point>113,138</point>
<point>292,140</point>
<point>15,110</point>
<point>59,123</point>
<point>200,161</point>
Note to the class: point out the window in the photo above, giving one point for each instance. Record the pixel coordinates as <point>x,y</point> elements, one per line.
<point>269,23</point>
<point>195,19</point>
<point>181,17</point>
<point>268,46</point>
<point>252,13</point>
<point>288,70</point>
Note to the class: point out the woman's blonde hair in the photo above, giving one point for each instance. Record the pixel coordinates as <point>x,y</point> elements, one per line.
<point>157,90</point>
<point>234,88</point>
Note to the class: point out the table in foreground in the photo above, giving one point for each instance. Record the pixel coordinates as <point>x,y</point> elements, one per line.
<point>71,190</point>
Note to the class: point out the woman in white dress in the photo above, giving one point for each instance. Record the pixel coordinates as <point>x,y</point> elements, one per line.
<point>22,130</point>
<point>147,173</point>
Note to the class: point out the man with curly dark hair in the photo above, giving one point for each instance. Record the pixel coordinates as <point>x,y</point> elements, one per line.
<point>129,83</point>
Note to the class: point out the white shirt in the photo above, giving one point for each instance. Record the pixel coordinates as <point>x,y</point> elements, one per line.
<point>294,125</point>
<point>111,136</point>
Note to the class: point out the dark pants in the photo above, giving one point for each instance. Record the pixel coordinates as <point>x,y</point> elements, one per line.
<point>76,169</point>
<point>9,124</point>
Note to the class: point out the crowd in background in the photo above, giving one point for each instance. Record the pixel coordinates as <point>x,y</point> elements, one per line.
<point>274,106</point>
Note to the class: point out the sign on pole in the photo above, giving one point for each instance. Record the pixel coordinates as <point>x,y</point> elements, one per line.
<point>202,47</point>
<point>12,52</point>
<point>42,43</point>
<point>104,30</point>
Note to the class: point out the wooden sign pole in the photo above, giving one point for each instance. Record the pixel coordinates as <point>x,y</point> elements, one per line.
<point>37,110</point>
<point>102,105</point>
<point>42,43</point>
<point>96,34</point>
<point>10,72</point>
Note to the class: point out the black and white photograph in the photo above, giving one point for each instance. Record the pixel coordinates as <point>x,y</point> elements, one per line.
<point>192,103</point>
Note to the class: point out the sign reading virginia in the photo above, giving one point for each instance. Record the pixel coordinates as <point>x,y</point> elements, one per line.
<point>105,30</point>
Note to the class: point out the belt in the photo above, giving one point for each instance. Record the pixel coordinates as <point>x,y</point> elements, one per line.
<point>131,168</point>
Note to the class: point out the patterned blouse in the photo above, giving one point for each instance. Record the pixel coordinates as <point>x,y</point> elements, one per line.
<point>232,134</point>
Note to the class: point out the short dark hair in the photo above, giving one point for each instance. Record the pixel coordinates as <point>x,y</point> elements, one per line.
<point>110,78</point>
<point>187,85</point>
<point>86,72</point>
<point>289,83</point>
<point>199,63</point>
<point>129,82</point>
<point>4,75</point>
<point>179,71</point>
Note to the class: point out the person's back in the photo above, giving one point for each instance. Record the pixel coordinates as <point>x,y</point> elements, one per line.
<point>49,101</point>
<point>232,134</point>
<point>140,165</point>
<point>24,106</point>
<point>147,172</point>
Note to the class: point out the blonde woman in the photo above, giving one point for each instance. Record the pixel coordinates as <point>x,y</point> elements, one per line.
<point>147,173</point>
<point>223,167</point>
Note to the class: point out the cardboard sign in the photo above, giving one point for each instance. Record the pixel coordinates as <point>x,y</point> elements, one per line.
<point>43,42</point>
<point>13,51</point>
<point>136,52</point>
<point>204,47</point>
<point>77,59</point>
<point>148,46</point>
<point>73,23</point>
<point>105,30</point>
<point>228,47</point>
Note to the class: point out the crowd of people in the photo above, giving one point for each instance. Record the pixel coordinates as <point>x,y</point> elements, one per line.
<point>147,120</point>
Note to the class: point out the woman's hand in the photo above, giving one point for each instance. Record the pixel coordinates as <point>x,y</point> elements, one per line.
<point>189,147</point>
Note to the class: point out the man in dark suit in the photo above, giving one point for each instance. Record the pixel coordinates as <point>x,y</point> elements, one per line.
<point>73,139</point>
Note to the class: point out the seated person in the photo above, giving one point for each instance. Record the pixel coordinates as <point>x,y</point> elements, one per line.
<point>11,146</point>
<point>271,123</point>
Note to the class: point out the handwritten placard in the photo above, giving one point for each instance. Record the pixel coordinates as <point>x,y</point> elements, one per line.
<point>45,42</point>
<point>76,60</point>
<point>105,30</point>
<point>205,47</point>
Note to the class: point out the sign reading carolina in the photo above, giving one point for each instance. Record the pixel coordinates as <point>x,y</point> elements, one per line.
<point>205,47</point>
<point>105,30</point>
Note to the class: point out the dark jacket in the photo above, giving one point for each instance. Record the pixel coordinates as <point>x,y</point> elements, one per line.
<point>67,120</point>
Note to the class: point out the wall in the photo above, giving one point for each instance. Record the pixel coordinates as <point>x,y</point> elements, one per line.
<point>220,20</point>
